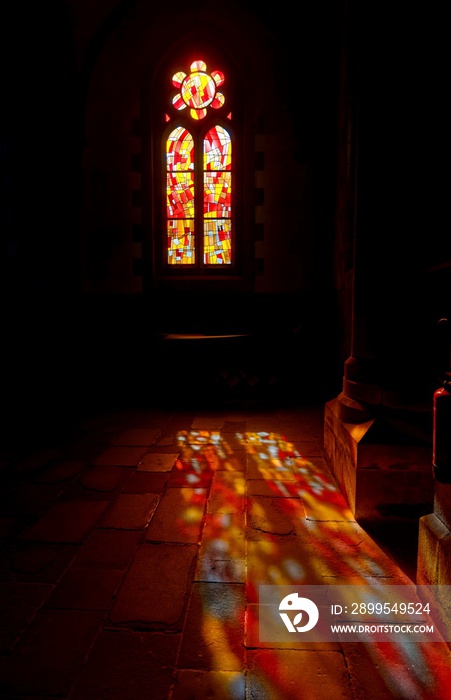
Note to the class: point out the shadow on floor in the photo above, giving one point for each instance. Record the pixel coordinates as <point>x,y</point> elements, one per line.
<point>398,538</point>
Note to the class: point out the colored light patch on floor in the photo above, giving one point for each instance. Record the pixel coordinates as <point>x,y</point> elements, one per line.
<point>283,520</point>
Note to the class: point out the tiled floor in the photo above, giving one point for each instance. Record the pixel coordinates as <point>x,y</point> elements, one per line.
<point>133,545</point>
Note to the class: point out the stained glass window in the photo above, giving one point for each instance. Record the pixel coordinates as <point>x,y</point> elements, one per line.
<point>199,172</point>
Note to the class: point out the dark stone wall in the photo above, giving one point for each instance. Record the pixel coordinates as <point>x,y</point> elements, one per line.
<point>77,306</point>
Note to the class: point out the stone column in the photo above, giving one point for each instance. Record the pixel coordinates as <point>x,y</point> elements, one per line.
<point>377,430</point>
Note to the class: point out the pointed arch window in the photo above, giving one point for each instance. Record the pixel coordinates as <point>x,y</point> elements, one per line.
<point>199,218</point>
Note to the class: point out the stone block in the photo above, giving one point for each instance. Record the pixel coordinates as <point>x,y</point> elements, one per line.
<point>179,516</point>
<point>128,664</point>
<point>227,493</point>
<point>274,489</point>
<point>265,470</point>
<point>198,685</point>
<point>221,570</point>
<point>98,478</point>
<point>40,563</point>
<point>130,511</point>
<point>85,589</point>
<point>51,653</point>
<point>9,527</point>
<point>63,470</point>
<point>144,482</point>
<point>66,521</point>
<point>282,561</point>
<point>137,437</point>
<point>300,673</point>
<point>223,536</point>
<point>156,589</point>
<point>189,473</point>
<point>120,456</point>
<point>29,500</point>
<point>157,462</point>
<point>274,515</point>
<point>108,549</point>
<point>213,633</point>
<point>431,532</point>
<point>19,603</point>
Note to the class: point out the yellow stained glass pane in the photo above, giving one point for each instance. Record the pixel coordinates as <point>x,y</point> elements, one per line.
<point>198,90</point>
<point>178,78</point>
<point>218,242</point>
<point>180,195</point>
<point>181,242</point>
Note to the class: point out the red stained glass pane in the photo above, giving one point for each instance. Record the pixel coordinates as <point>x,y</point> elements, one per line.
<point>180,195</point>
<point>217,149</point>
<point>218,77</point>
<point>218,101</point>
<point>217,195</point>
<point>178,102</point>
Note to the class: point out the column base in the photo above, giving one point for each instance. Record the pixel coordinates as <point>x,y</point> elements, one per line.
<point>378,475</point>
<point>434,566</point>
